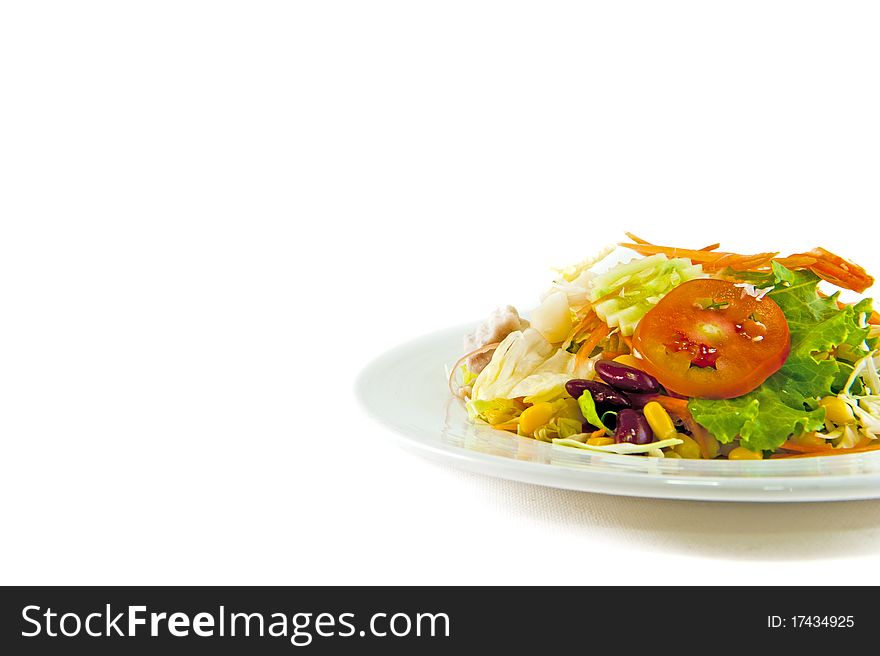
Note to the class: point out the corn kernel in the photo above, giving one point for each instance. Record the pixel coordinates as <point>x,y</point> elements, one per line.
<point>629,361</point>
<point>836,410</point>
<point>600,441</point>
<point>534,417</point>
<point>659,421</point>
<point>688,449</point>
<point>742,453</point>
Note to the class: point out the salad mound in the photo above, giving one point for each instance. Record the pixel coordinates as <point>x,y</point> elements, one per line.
<point>685,353</point>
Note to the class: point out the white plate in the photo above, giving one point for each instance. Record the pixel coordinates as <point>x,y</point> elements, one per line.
<point>405,389</point>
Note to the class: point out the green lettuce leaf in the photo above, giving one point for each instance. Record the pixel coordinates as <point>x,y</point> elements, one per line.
<point>825,340</point>
<point>588,409</point>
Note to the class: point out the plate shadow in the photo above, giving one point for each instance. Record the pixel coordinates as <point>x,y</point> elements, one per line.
<point>749,531</point>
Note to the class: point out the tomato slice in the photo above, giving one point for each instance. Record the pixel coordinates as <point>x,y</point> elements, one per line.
<point>710,339</point>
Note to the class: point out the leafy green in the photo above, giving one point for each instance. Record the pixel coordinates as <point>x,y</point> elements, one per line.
<point>782,275</point>
<point>786,403</point>
<point>588,408</point>
<point>778,276</point>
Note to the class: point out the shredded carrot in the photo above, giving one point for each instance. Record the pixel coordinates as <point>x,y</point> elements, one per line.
<point>628,341</point>
<point>677,407</point>
<point>843,279</point>
<point>831,268</point>
<point>788,445</point>
<point>669,251</point>
<point>597,433</point>
<point>599,333</point>
<point>796,261</point>
<point>589,319</point>
<point>741,262</point>
<point>844,269</point>
<point>711,260</point>
<point>825,264</point>
<point>709,446</point>
<point>711,247</point>
<point>637,240</point>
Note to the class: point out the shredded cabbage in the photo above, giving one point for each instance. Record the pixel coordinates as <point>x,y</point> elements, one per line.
<point>526,365</point>
<point>560,427</point>
<point>496,411</point>
<point>624,448</point>
<point>571,273</point>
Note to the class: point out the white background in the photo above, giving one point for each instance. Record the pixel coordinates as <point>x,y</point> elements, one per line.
<point>215,213</point>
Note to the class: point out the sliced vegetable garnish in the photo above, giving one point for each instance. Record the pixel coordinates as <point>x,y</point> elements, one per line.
<point>712,339</point>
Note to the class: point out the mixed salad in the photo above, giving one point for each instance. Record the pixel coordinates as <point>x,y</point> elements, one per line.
<point>684,353</point>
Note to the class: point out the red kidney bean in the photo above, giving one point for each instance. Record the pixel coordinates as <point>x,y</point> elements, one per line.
<point>632,427</point>
<point>628,379</point>
<point>639,401</point>
<point>602,394</point>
